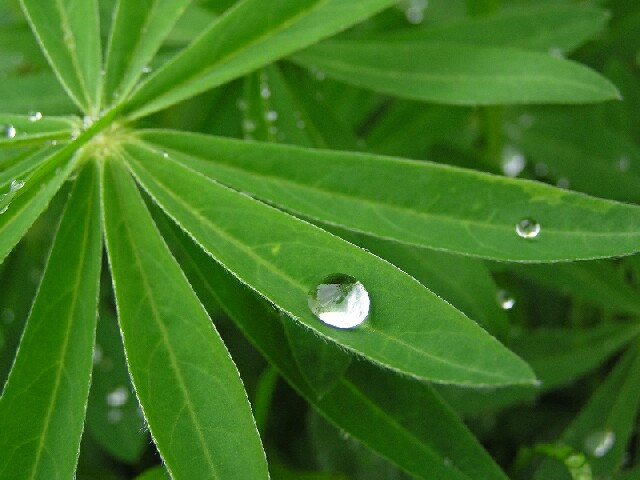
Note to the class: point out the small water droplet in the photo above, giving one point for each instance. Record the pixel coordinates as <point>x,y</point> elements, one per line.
<point>505,300</point>
<point>35,116</point>
<point>271,116</point>
<point>623,163</point>
<point>599,443</point>
<point>8,316</point>
<point>97,354</point>
<point>75,133</point>
<point>340,301</point>
<point>146,69</point>
<point>53,142</point>
<point>165,154</point>
<point>513,161</point>
<point>528,228</point>
<point>16,185</point>
<point>248,125</point>
<point>10,131</point>
<point>87,121</point>
<point>118,396</point>
<point>563,182</point>
<point>273,130</point>
<point>114,415</point>
<point>265,91</point>
<point>4,209</point>
<point>300,124</point>
<point>541,169</point>
<point>556,52</point>
<point>415,11</point>
<point>241,104</point>
<point>526,120</point>
<point>447,461</point>
<point>320,75</point>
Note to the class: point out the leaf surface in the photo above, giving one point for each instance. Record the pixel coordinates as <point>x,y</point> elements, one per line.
<point>138,30</point>
<point>187,384</point>
<point>17,130</point>
<point>249,35</point>
<point>418,203</point>
<point>69,34</point>
<point>409,329</point>
<point>458,74</point>
<point>43,404</point>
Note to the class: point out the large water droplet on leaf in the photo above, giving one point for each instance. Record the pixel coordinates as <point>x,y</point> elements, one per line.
<point>505,300</point>
<point>599,443</point>
<point>528,228</point>
<point>340,301</point>
<point>118,396</point>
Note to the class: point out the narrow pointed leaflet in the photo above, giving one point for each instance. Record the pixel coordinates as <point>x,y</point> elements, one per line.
<point>69,34</point>
<point>249,35</point>
<point>418,203</point>
<point>34,128</point>
<point>187,384</point>
<point>43,405</point>
<point>408,329</point>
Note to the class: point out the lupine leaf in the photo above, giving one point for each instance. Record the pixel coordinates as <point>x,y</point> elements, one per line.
<point>187,385</point>
<point>43,404</point>
<point>34,128</point>
<point>419,203</point>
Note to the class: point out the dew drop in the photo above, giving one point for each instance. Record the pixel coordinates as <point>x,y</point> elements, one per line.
<point>623,163</point>
<point>556,52</point>
<point>4,209</point>
<point>10,131</point>
<point>320,75</point>
<point>114,415</point>
<point>165,154</point>
<point>447,461</point>
<point>146,69</point>
<point>271,116</point>
<point>241,104</point>
<point>599,443</point>
<point>16,185</point>
<point>248,125</point>
<point>415,11</point>
<point>563,182</point>
<point>53,142</point>
<point>513,161</point>
<point>118,396</point>
<point>505,300</point>
<point>340,301</point>
<point>528,228</point>
<point>35,116</point>
<point>265,91</point>
<point>300,124</point>
<point>526,120</point>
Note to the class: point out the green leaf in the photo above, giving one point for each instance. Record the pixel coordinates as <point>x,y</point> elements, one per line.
<point>458,74</point>
<point>138,30</point>
<point>403,420</point>
<point>187,384</point>
<point>22,165</point>
<point>69,34</point>
<point>37,92</point>
<point>18,130</point>
<point>25,204</point>
<point>283,258</point>
<point>155,473</point>
<point>43,404</point>
<point>534,27</point>
<point>249,35</point>
<point>465,211</point>
<point>113,416</point>
<point>604,426</point>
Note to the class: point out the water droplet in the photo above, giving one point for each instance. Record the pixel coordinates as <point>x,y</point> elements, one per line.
<point>114,415</point>
<point>146,69</point>
<point>8,316</point>
<point>165,154</point>
<point>528,228</point>
<point>340,301</point>
<point>265,91</point>
<point>556,52</point>
<point>447,461</point>
<point>4,209</point>
<point>320,75</point>
<point>53,142</point>
<point>241,104</point>
<point>118,396</point>
<point>10,131</point>
<point>505,300</point>
<point>563,182</point>
<point>526,120</point>
<point>75,133</point>
<point>513,161</point>
<point>97,354</point>
<point>35,116</point>
<point>541,169</point>
<point>271,116</point>
<point>300,124</point>
<point>16,185</point>
<point>248,125</point>
<point>623,163</point>
<point>87,121</point>
<point>599,443</point>
<point>415,11</point>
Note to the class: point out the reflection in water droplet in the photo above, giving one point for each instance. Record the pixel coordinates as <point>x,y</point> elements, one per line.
<point>118,396</point>
<point>16,185</point>
<point>10,131</point>
<point>505,300</point>
<point>271,116</point>
<point>114,415</point>
<point>599,443</point>
<point>623,163</point>
<point>35,116</point>
<point>528,228</point>
<point>340,301</point>
<point>513,161</point>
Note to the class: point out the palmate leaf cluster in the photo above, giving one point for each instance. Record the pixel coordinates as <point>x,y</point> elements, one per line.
<point>166,162</point>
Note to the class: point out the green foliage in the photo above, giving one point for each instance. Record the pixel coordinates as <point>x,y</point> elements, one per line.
<point>214,162</point>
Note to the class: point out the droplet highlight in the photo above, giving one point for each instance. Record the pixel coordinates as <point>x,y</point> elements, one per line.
<point>505,300</point>
<point>340,301</point>
<point>35,116</point>
<point>16,185</point>
<point>10,131</point>
<point>599,443</point>
<point>118,396</point>
<point>513,161</point>
<point>528,228</point>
